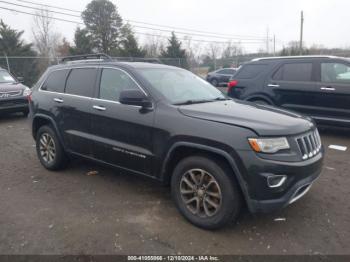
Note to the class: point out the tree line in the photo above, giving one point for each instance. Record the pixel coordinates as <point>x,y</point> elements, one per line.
<point>104,31</point>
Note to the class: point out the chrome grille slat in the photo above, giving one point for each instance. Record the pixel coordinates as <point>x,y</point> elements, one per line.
<point>309,144</point>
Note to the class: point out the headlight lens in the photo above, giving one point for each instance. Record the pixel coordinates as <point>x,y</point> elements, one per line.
<point>27,92</point>
<point>268,145</point>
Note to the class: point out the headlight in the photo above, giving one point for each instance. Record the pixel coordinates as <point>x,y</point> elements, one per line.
<point>27,92</point>
<point>269,145</point>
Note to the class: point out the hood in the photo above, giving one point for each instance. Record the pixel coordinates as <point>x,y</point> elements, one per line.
<point>264,120</point>
<point>8,90</point>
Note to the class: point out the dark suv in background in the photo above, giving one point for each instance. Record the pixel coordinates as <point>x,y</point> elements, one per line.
<point>168,124</point>
<point>317,86</point>
<point>13,95</point>
<point>220,77</point>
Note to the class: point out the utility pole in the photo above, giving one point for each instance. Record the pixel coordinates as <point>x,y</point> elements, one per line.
<point>301,33</point>
<point>274,45</point>
<point>267,40</point>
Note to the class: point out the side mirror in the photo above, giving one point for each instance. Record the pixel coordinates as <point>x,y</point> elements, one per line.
<point>20,79</point>
<point>134,97</point>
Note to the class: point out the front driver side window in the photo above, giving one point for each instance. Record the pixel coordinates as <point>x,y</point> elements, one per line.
<point>113,82</point>
<point>335,73</point>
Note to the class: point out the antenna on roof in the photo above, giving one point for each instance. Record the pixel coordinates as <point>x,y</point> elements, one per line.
<point>100,56</point>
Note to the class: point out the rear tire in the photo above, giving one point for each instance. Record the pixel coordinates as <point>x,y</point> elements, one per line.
<point>205,193</point>
<point>49,149</point>
<point>214,82</point>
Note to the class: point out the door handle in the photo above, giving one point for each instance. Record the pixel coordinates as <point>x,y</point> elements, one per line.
<point>328,88</point>
<point>273,85</point>
<point>58,100</point>
<point>99,108</point>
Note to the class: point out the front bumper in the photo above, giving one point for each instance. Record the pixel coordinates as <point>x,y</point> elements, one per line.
<point>14,105</point>
<point>262,198</point>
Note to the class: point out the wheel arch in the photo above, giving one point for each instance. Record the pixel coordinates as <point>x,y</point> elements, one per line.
<point>181,150</point>
<point>40,120</point>
<point>260,97</point>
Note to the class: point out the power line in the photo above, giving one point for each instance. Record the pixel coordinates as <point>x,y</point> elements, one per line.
<point>153,24</point>
<point>136,32</point>
<point>51,6</point>
<point>39,9</point>
<point>137,26</point>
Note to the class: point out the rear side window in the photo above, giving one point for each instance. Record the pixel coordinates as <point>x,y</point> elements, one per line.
<point>335,73</point>
<point>81,82</point>
<point>56,81</point>
<point>294,72</point>
<point>250,71</point>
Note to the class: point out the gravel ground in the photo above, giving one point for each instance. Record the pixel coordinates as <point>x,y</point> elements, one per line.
<point>69,212</point>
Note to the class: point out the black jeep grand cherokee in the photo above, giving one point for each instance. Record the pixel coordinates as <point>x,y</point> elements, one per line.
<point>168,124</point>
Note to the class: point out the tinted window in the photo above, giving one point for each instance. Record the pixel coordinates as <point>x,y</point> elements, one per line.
<point>113,82</point>
<point>250,71</point>
<point>335,72</point>
<point>81,82</point>
<point>294,72</point>
<point>56,81</point>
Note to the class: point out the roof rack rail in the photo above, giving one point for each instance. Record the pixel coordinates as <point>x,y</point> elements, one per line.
<point>100,56</point>
<point>292,57</point>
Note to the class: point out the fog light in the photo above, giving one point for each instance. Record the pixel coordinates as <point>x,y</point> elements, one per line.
<point>276,181</point>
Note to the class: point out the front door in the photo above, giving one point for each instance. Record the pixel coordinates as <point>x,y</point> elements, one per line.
<point>122,133</point>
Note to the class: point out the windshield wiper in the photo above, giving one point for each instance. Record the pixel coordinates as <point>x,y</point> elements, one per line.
<point>191,102</point>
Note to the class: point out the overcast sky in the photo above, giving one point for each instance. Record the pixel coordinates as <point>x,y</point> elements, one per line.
<point>326,21</point>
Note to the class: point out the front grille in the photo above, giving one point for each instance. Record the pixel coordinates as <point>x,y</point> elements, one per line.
<point>309,144</point>
<point>10,94</point>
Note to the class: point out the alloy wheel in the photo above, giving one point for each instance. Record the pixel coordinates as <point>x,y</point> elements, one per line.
<point>47,148</point>
<point>201,193</point>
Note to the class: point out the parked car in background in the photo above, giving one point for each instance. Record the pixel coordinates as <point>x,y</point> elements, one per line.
<point>168,124</point>
<point>220,77</point>
<point>13,94</point>
<point>317,86</point>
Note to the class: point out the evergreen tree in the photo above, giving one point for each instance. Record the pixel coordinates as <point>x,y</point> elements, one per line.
<point>83,43</point>
<point>129,46</point>
<point>174,50</point>
<point>104,24</point>
<point>12,45</point>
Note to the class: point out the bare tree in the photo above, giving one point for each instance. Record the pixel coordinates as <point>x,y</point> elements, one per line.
<point>214,50</point>
<point>46,40</point>
<point>153,45</point>
<point>194,52</point>
<point>230,54</point>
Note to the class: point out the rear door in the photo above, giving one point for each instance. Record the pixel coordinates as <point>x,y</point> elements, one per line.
<point>76,109</point>
<point>122,133</point>
<point>293,86</point>
<point>333,84</point>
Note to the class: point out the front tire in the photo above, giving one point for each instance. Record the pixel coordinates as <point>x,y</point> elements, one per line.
<point>205,193</point>
<point>49,149</point>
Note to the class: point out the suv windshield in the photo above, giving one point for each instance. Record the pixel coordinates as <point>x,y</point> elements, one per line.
<point>180,86</point>
<point>5,77</point>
